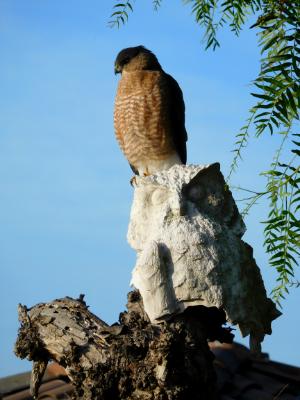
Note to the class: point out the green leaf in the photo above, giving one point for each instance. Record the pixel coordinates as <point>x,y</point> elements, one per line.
<point>291,101</point>
<point>281,118</point>
<point>262,96</point>
<point>275,68</point>
<point>258,106</point>
<point>271,42</point>
<point>119,5</point>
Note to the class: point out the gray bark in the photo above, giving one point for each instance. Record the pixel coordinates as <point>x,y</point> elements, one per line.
<point>132,359</point>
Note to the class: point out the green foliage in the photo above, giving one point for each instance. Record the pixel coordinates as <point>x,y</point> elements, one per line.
<point>276,112</point>
<point>204,16</point>
<point>120,14</point>
<point>282,231</point>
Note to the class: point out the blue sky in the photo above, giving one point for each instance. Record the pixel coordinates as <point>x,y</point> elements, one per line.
<point>64,184</point>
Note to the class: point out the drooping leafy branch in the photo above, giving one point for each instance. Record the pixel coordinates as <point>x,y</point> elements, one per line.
<point>276,111</point>
<point>282,230</point>
<point>120,14</point>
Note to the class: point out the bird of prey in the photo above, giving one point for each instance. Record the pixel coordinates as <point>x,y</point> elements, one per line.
<point>149,115</point>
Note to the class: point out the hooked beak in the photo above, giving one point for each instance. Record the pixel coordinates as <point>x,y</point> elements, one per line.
<point>117,69</point>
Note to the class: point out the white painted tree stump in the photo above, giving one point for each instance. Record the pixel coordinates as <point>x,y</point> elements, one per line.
<point>186,230</point>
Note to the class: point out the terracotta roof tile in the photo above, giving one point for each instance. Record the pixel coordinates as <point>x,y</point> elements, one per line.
<point>56,389</point>
<point>57,392</point>
<point>255,394</point>
<point>14,383</point>
<point>242,376</point>
<point>271,385</point>
<point>54,385</point>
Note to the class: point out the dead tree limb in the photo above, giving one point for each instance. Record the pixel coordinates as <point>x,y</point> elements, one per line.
<point>132,359</point>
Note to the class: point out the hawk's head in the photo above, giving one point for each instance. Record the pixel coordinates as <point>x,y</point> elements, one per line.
<point>136,58</point>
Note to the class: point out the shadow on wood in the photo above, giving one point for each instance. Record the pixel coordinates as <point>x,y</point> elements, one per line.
<point>132,359</point>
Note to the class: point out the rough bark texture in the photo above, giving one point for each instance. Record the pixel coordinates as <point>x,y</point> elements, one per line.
<point>132,359</point>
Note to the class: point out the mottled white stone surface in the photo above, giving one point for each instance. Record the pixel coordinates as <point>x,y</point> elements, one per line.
<point>186,230</point>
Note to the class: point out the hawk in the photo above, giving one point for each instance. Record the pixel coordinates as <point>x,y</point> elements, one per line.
<point>149,115</point>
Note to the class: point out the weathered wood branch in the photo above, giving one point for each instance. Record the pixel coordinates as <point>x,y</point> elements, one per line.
<point>132,359</point>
